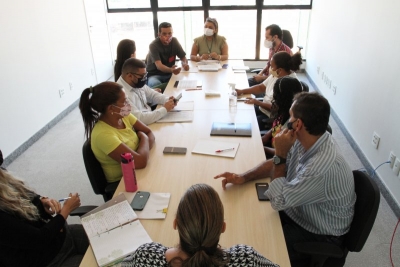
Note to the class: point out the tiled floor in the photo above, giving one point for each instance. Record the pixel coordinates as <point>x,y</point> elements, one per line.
<point>53,166</point>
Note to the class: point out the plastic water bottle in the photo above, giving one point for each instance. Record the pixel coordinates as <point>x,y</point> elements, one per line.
<point>232,95</point>
<point>128,171</point>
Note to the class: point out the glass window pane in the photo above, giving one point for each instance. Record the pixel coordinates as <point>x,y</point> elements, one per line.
<point>287,2</point>
<point>114,4</point>
<point>175,3</point>
<point>232,2</point>
<point>136,26</point>
<point>295,21</point>
<point>239,29</point>
<point>186,26</point>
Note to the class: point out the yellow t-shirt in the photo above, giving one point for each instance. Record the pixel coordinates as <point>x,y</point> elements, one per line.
<point>105,139</point>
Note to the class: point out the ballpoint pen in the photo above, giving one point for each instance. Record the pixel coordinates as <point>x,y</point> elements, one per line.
<point>63,199</point>
<point>221,150</point>
<point>193,89</point>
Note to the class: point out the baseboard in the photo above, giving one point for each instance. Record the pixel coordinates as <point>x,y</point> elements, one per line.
<point>22,148</point>
<point>382,187</point>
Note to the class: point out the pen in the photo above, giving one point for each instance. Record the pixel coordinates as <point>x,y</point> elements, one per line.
<point>221,150</point>
<point>175,111</point>
<point>235,127</point>
<point>63,199</point>
<point>193,89</point>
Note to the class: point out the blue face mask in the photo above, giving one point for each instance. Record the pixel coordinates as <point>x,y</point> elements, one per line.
<point>290,124</point>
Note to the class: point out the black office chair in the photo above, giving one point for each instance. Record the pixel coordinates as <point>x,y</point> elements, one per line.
<point>287,38</point>
<point>366,208</point>
<point>305,87</point>
<point>96,175</point>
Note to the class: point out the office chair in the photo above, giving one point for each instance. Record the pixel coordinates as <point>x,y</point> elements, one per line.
<point>365,210</point>
<point>305,86</point>
<point>96,175</point>
<point>287,38</point>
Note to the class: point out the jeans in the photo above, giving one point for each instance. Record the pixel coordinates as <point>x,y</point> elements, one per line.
<point>158,79</point>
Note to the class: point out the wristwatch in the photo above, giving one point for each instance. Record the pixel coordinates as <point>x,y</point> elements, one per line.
<point>278,160</point>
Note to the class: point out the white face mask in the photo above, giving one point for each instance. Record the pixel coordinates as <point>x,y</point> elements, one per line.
<point>208,32</point>
<point>273,72</point>
<point>267,44</point>
<point>125,110</point>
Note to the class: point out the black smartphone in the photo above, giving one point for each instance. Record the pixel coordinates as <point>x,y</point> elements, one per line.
<point>261,188</point>
<point>176,99</point>
<point>225,66</point>
<point>140,200</point>
<point>175,150</point>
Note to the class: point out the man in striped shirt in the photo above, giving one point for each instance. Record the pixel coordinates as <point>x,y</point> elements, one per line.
<point>273,41</point>
<point>311,183</point>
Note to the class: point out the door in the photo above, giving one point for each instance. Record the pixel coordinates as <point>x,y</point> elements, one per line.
<point>99,39</point>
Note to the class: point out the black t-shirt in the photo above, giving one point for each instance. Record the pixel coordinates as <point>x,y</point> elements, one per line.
<point>166,53</point>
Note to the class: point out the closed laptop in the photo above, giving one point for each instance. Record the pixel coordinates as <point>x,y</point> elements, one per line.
<point>231,129</point>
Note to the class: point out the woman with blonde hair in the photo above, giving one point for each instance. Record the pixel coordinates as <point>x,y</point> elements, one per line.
<point>210,45</point>
<point>200,222</point>
<point>33,228</point>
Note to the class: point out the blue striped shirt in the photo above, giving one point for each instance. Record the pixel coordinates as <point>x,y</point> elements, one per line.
<point>318,190</point>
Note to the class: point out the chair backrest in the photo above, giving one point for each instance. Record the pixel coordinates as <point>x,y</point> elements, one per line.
<point>366,208</point>
<point>305,86</point>
<point>287,38</point>
<point>94,169</point>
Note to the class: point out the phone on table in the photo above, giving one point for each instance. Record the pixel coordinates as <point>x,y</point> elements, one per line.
<point>176,99</point>
<point>261,188</point>
<point>175,150</point>
<point>225,66</point>
<point>140,200</point>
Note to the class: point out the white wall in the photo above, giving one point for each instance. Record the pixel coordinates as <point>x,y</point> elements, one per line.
<point>356,43</point>
<point>45,45</point>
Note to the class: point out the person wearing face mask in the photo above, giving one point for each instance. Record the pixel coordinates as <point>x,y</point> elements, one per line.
<point>210,46</point>
<point>133,79</point>
<point>312,185</point>
<point>282,64</point>
<point>161,57</point>
<point>273,42</point>
<point>112,129</point>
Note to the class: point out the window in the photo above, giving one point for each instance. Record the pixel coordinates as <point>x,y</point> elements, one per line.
<point>287,2</point>
<point>175,3</point>
<point>114,4</point>
<point>295,21</point>
<point>239,29</point>
<point>186,25</point>
<point>136,26</point>
<point>233,3</point>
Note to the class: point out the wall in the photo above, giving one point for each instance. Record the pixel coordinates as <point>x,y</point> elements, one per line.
<point>45,46</point>
<point>355,43</point>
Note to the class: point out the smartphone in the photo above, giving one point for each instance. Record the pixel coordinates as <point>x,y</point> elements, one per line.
<point>175,150</point>
<point>176,99</point>
<point>261,188</point>
<point>225,66</point>
<point>140,200</point>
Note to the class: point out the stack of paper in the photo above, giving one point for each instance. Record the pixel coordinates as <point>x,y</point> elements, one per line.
<point>216,148</point>
<point>178,116</point>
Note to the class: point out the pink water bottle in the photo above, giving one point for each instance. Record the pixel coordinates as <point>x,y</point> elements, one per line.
<point>128,171</point>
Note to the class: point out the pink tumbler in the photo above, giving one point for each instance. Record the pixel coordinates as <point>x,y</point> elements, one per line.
<point>128,171</point>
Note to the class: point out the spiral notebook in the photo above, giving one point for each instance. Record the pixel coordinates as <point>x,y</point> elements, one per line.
<point>114,231</point>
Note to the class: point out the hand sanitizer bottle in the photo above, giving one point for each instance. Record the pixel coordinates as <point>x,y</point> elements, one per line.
<point>232,95</point>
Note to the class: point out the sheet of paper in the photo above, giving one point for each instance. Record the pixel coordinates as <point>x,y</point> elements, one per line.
<point>178,116</point>
<point>210,147</point>
<point>207,62</point>
<point>244,97</point>
<point>108,219</point>
<point>209,67</point>
<point>240,68</point>
<point>117,244</point>
<point>156,207</point>
<point>184,84</point>
<point>184,105</point>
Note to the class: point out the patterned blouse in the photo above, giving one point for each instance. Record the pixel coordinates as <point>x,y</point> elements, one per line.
<point>153,254</point>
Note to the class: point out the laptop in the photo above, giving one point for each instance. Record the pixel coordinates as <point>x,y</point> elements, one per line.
<point>231,129</point>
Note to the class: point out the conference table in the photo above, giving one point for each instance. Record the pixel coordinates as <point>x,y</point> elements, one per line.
<point>248,220</point>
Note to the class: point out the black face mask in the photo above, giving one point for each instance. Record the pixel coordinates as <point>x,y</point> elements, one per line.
<point>140,83</point>
<point>290,124</point>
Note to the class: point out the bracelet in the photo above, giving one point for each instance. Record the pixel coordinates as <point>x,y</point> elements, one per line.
<point>219,58</point>
<point>43,197</point>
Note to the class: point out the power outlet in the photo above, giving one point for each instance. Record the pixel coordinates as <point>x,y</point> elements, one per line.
<point>375,140</point>
<point>71,86</point>
<point>334,87</point>
<point>318,69</point>
<point>396,168</point>
<point>61,92</point>
<point>392,158</point>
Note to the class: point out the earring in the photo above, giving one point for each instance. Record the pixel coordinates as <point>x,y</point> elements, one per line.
<point>112,113</point>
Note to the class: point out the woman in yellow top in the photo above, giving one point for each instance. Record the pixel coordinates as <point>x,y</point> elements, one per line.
<point>210,45</point>
<point>112,128</point>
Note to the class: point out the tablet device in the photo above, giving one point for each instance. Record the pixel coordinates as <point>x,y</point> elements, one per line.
<point>261,188</point>
<point>231,129</point>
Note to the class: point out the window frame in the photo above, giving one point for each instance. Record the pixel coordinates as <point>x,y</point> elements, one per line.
<point>206,7</point>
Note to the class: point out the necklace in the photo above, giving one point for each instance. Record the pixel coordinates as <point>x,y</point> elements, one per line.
<point>209,48</point>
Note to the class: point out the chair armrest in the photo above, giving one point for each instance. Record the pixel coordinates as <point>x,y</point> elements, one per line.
<point>82,210</point>
<point>319,249</point>
<point>256,70</point>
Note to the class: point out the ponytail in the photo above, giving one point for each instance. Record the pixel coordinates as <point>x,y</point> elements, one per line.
<point>89,116</point>
<point>295,61</point>
<point>287,62</point>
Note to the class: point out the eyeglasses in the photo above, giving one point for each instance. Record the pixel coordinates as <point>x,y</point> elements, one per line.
<point>143,77</point>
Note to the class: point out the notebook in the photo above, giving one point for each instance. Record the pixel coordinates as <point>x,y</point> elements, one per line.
<point>231,129</point>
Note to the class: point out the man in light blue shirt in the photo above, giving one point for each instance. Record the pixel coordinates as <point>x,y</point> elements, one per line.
<point>311,183</point>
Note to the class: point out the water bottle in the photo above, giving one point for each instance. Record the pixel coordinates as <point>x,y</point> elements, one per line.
<point>232,95</point>
<point>128,171</point>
